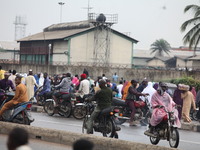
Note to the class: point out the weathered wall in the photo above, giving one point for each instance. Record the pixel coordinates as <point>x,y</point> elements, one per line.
<point>128,74</point>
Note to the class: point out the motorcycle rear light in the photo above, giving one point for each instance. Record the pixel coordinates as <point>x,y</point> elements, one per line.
<point>111,113</point>
<point>28,106</point>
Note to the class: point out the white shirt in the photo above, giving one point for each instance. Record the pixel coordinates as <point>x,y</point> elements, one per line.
<point>119,87</point>
<point>84,87</point>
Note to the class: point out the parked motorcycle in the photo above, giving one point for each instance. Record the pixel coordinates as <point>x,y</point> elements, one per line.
<point>104,123</point>
<point>64,107</point>
<point>21,113</point>
<point>81,109</point>
<point>166,130</point>
<point>142,113</point>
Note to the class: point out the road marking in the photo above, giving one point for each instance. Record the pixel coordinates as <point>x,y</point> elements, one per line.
<point>190,142</point>
<point>60,123</point>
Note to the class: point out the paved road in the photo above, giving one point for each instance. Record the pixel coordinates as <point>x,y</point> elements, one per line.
<point>36,144</point>
<point>188,140</point>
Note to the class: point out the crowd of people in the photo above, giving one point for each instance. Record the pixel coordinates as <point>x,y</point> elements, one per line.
<point>184,97</point>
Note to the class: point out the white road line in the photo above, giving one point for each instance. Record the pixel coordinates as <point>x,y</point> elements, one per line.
<point>60,123</point>
<point>190,142</point>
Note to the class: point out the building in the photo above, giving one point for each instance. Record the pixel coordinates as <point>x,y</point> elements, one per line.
<point>74,44</point>
<point>9,52</point>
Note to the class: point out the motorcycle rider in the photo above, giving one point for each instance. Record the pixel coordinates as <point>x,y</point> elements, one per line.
<point>64,87</point>
<point>161,99</point>
<point>20,96</point>
<point>46,86</point>
<point>104,100</point>
<point>131,97</point>
<point>5,85</point>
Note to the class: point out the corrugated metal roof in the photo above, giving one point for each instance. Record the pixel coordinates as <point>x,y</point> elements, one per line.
<point>9,45</point>
<point>53,35</point>
<point>64,30</point>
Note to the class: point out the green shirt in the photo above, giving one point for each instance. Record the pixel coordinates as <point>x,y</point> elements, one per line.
<point>104,97</point>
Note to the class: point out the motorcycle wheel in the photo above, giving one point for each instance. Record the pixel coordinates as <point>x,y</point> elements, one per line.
<point>174,138</point>
<point>109,129</point>
<point>66,109</point>
<point>154,140</point>
<point>84,128</point>
<point>49,108</point>
<point>194,115</point>
<point>79,112</point>
<point>26,121</point>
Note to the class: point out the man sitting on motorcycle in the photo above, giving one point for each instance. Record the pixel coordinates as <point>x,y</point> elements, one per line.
<point>131,97</point>
<point>5,85</point>
<point>20,96</point>
<point>64,87</point>
<point>104,100</point>
<point>159,100</point>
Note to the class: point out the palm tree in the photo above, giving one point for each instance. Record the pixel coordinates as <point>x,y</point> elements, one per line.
<point>160,47</point>
<point>192,36</point>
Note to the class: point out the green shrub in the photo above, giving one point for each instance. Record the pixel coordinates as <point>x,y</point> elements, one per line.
<point>188,81</point>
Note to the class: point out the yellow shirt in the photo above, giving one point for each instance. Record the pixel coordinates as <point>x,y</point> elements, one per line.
<point>2,74</point>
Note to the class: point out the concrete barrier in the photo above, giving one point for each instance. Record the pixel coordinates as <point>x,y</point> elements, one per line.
<point>67,138</point>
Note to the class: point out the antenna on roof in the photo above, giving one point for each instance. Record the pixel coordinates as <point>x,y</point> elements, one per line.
<point>88,9</point>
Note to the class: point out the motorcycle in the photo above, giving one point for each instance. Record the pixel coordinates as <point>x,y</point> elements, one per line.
<point>21,113</point>
<point>104,123</point>
<point>64,107</point>
<point>81,109</point>
<point>142,113</point>
<point>166,130</point>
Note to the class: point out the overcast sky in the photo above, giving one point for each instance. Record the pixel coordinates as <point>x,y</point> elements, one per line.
<point>146,20</point>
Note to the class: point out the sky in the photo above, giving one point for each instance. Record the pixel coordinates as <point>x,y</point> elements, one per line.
<point>146,20</point>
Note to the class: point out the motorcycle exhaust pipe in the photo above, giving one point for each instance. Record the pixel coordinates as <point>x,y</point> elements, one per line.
<point>150,134</point>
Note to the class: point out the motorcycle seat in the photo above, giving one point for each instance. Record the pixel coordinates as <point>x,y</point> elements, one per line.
<point>66,96</point>
<point>118,102</point>
<point>20,104</point>
<point>106,111</point>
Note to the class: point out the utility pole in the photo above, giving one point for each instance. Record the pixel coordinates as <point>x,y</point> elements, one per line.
<point>88,9</point>
<point>61,4</point>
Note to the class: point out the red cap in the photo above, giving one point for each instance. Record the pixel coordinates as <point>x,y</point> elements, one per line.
<point>83,76</point>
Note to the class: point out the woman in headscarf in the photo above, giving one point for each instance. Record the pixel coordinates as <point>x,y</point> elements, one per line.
<point>188,101</point>
<point>178,100</point>
<point>127,84</point>
<point>150,90</point>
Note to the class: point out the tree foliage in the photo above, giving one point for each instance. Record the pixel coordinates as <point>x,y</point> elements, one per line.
<point>160,47</point>
<point>193,25</point>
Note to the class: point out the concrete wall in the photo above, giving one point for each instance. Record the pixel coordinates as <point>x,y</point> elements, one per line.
<point>120,50</point>
<point>156,63</point>
<point>128,74</point>
<point>67,138</point>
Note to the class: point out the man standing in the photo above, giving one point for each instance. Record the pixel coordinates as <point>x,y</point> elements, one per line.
<point>84,87</point>
<point>115,78</point>
<point>104,100</point>
<point>30,83</point>
<point>12,77</point>
<point>20,96</point>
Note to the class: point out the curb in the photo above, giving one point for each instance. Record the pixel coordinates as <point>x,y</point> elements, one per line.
<point>68,138</point>
<point>191,126</point>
